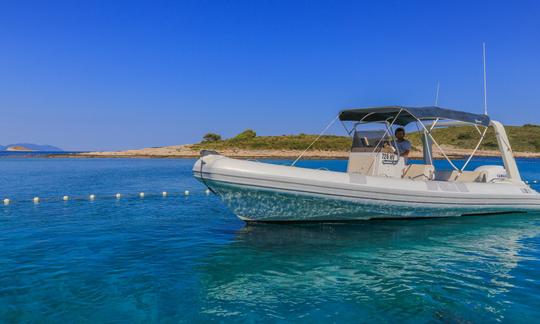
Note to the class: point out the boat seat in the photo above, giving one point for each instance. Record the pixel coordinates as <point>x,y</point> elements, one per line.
<point>468,176</point>
<point>361,164</point>
<point>419,172</point>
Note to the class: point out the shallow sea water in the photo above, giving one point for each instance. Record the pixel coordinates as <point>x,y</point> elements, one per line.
<point>188,258</point>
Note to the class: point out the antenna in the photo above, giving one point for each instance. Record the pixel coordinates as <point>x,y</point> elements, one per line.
<point>437,95</point>
<point>485,82</point>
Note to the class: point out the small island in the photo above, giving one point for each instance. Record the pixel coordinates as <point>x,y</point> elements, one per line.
<point>18,148</point>
<point>456,141</point>
<point>29,147</point>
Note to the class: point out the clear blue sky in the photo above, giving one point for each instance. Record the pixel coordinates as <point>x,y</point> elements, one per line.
<point>87,75</point>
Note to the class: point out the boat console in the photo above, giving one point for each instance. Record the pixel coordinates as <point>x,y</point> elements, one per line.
<point>373,155</point>
<point>376,164</point>
<point>388,165</point>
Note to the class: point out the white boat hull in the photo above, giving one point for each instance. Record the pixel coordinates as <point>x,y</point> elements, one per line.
<point>257,191</point>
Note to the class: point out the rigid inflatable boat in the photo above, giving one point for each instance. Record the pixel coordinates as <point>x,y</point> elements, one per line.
<point>379,183</point>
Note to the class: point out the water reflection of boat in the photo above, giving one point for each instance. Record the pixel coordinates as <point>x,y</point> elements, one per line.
<point>396,268</point>
<point>378,183</point>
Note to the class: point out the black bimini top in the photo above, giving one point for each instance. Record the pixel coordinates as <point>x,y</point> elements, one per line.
<point>406,115</point>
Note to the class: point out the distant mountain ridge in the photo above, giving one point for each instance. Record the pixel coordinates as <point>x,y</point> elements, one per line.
<point>33,147</point>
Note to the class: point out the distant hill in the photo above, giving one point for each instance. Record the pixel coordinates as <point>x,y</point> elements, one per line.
<point>524,138</point>
<point>30,147</point>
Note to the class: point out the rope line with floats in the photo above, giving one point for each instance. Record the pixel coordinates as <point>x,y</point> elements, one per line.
<point>92,197</point>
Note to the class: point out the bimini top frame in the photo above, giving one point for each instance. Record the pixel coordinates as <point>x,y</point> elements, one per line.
<point>401,115</point>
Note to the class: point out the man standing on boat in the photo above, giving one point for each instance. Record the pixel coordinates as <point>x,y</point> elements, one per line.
<point>402,145</point>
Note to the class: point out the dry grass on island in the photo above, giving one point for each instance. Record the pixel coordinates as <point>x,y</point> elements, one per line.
<point>456,142</point>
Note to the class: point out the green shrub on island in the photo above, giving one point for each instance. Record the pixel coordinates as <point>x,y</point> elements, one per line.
<point>245,135</point>
<point>211,137</point>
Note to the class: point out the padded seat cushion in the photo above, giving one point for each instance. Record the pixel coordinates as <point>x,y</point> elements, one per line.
<point>419,172</point>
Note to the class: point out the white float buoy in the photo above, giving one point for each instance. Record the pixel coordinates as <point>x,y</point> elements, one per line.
<point>535,181</point>
<point>92,197</point>
<point>164,193</point>
<point>118,195</point>
<point>141,194</point>
<point>6,201</point>
<point>35,200</point>
<point>207,191</point>
<point>65,198</point>
<point>186,192</point>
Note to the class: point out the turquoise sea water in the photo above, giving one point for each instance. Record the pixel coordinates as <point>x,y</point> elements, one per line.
<point>187,258</point>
